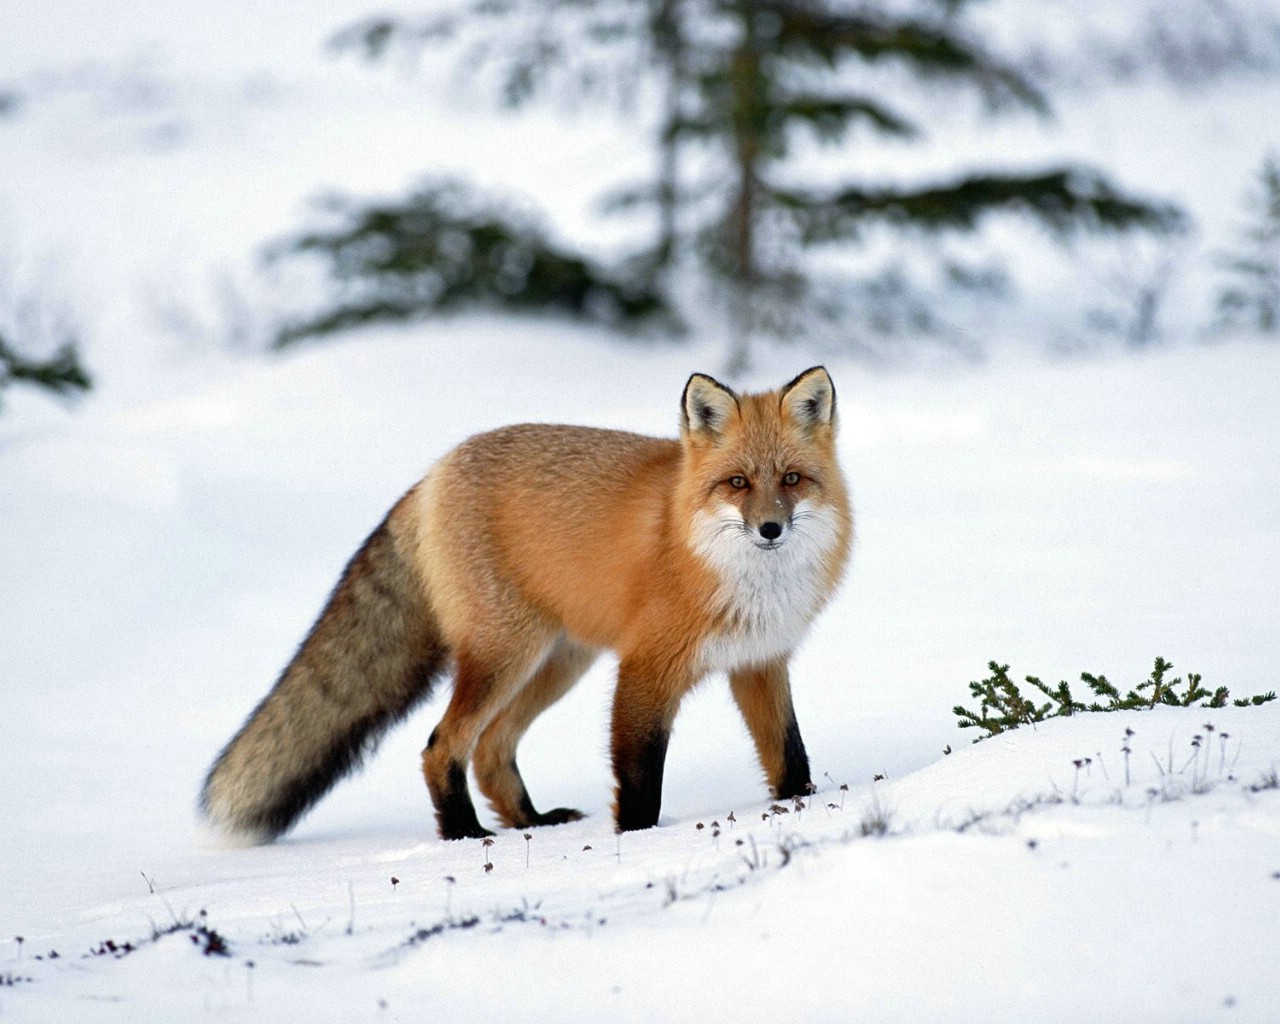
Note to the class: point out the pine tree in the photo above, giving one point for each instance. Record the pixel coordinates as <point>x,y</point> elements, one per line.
<point>1252,298</point>
<point>742,83</point>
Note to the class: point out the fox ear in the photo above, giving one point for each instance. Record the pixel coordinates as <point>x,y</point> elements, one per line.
<point>707,406</point>
<point>810,399</point>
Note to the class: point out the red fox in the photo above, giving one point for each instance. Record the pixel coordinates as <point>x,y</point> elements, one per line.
<point>520,556</point>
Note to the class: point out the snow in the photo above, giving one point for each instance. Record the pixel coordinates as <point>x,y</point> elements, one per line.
<point>165,546</point>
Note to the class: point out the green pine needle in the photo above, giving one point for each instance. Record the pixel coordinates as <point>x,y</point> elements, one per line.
<point>1003,706</point>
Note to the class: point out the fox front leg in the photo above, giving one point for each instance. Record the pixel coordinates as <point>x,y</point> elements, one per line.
<point>644,707</point>
<point>763,695</point>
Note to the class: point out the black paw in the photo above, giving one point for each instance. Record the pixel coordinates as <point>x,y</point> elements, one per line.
<point>465,832</point>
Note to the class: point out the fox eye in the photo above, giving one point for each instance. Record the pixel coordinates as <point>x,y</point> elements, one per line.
<point>738,483</point>
<point>791,479</point>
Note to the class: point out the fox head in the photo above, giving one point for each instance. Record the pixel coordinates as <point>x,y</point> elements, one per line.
<point>758,468</point>
<point>765,509</point>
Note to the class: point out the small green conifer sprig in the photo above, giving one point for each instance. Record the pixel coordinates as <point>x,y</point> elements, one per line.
<point>1002,705</point>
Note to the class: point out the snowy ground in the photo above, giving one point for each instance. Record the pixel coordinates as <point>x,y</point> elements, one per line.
<point>164,547</point>
<point>1155,900</point>
<point>161,560</point>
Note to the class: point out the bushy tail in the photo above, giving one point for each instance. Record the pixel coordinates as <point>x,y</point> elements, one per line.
<point>373,654</point>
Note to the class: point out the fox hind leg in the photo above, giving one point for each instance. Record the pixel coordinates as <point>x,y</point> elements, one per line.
<point>497,773</point>
<point>482,689</point>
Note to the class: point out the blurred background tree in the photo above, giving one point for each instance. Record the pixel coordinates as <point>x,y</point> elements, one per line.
<point>744,88</point>
<point>61,374</point>
<point>1251,296</point>
<point>447,247</point>
<point>38,332</point>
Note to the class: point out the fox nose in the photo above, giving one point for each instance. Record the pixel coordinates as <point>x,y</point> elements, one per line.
<point>770,530</point>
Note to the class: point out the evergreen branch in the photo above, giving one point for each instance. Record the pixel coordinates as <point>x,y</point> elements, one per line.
<point>1062,200</point>
<point>831,116</point>
<point>445,248</point>
<point>931,48</point>
<point>1195,692</point>
<point>62,373</point>
<point>998,693</point>
<point>1060,695</point>
<point>1160,693</point>
<point>1101,687</point>
<point>571,41</point>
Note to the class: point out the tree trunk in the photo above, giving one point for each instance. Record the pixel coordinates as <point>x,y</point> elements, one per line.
<point>746,83</point>
<point>668,34</point>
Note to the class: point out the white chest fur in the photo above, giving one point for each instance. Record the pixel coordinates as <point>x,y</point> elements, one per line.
<point>769,596</point>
